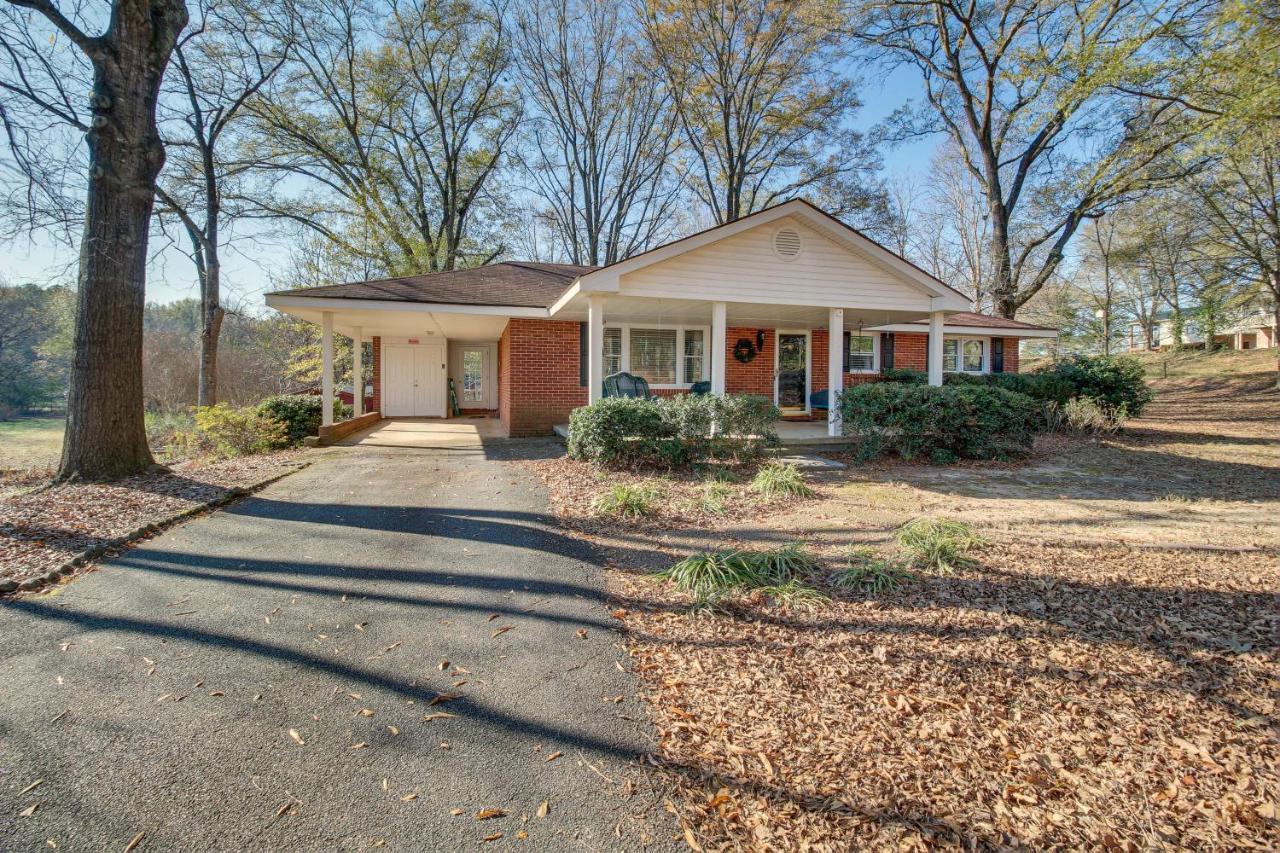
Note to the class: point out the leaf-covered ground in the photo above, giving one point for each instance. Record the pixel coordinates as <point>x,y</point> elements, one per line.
<point>1085,683</point>
<point>40,530</point>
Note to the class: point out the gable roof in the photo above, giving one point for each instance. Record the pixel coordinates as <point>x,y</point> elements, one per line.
<point>606,278</point>
<point>517,284</point>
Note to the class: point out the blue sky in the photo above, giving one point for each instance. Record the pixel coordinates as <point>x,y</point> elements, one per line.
<point>249,264</point>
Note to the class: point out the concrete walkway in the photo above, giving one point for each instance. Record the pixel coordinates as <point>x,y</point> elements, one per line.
<point>364,655</point>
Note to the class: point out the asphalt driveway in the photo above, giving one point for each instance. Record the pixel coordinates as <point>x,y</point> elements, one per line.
<point>367,654</point>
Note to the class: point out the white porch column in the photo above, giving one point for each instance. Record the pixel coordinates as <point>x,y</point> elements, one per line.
<point>835,369</point>
<point>595,347</point>
<point>357,373</point>
<point>935,348</point>
<point>718,344</point>
<point>326,368</point>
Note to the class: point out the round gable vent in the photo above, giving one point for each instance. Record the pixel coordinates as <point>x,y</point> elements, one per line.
<point>786,243</point>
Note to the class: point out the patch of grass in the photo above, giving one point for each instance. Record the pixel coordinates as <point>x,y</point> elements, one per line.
<point>794,593</point>
<point>937,543</point>
<point>30,442</point>
<point>869,573</point>
<point>777,572</point>
<point>714,498</point>
<point>622,500</point>
<point>722,474</point>
<point>713,573</point>
<point>781,480</point>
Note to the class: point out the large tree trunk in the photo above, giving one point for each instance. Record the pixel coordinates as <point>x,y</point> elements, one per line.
<point>105,434</point>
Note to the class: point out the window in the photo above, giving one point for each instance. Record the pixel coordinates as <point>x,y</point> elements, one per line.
<point>612,351</point>
<point>473,376</point>
<point>862,354</point>
<point>973,356</point>
<point>962,355</point>
<point>693,355</point>
<point>672,357</point>
<point>653,355</point>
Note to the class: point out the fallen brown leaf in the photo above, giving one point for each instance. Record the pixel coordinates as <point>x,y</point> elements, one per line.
<point>490,814</point>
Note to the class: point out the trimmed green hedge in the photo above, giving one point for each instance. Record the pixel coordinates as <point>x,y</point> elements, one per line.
<point>671,432</point>
<point>300,414</point>
<point>958,421</point>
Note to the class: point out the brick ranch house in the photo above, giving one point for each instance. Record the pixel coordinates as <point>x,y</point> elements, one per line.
<point>746,307</point>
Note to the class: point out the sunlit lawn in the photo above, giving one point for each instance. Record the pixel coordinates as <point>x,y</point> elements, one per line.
<point>30,443</point>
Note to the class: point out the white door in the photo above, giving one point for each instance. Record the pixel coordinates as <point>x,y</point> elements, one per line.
<point>472,371</point>
<point>414,380</point>
<point>429,369</point>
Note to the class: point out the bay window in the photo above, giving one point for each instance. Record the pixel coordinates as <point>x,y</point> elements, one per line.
<point>670,357</point>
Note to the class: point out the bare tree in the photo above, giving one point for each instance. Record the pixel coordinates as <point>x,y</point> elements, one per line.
<point>402,121</point>
<point>1241,207</point>
<point>1025,89</point>
<point>1096,278</point>
<point>763,111</point>
<point>602,129</point>
<point>105,434</point>
<point>221,63</point>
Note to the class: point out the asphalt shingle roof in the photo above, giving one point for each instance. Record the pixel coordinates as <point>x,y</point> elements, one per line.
<point>517,284</point>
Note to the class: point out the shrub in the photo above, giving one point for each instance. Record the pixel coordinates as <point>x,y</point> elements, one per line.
<point>621,431</point>
<point>1085,415</point>
<point>865,572</point>
<point>173,434</point>
<point>626,501</point>
<point>1115,383</point>
<point>937,543</point>
<point>673,431</point>
<point>779,480</point>
<point>300,414</point>
<point>905,375</point>
<point>236,432</point>
<point>943,424</point>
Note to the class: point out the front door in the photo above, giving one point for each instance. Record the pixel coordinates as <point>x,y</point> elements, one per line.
<point>472,366</point>
<point>414,379</point>
<point>792,390</point>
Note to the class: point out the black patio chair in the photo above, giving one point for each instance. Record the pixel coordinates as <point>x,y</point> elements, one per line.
<point>700,389</point>
<point>626,385</point>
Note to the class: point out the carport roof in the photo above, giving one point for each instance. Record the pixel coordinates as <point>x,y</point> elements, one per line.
<point>519,284</point>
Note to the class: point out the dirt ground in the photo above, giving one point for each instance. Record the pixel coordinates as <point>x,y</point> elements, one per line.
<point>1104,674</point>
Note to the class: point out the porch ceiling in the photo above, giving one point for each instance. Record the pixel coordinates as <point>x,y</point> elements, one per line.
<point>631,309</point>
<point>410,322</point>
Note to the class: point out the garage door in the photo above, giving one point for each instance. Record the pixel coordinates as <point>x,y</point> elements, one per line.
<point>413,379</point>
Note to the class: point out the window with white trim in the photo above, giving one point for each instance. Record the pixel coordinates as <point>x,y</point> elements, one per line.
<point>612,351</point>
<point>963,355</point>
<point>862,354</point>
<point>667,357</point>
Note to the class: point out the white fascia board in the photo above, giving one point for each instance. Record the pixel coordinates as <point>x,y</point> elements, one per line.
<point>574,290</point>
<point>319,303</point>
<point>980,331</point>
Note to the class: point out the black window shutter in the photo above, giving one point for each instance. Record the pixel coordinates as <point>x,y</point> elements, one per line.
<point>997,355</point>
<point>886,350</point>
<point>582,353</point>
<point>847,335</point>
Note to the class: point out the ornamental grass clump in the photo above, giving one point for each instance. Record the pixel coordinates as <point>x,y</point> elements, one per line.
<point>865,572</point>
<point>777,573</point>
<point>937,543</point>
<point>627,501</point>
<point>777,480</point>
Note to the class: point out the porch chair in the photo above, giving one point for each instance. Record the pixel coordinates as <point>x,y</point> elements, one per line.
<point>700,389</point>
<point>819,401</point>
<point>626,385</point>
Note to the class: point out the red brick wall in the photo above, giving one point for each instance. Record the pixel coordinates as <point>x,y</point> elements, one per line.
<point>753,378</point>
<point>1010,355</point>
<point>910,350</point>
<point>377,374</point>
<point>538,375</point>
